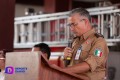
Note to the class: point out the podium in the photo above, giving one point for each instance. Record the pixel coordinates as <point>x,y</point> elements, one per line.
<point>34,66</point>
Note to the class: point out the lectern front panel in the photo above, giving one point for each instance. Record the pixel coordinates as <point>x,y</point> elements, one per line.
<point>22,66</point>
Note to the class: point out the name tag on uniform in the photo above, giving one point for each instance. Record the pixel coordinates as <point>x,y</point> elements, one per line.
<point>78,53</point>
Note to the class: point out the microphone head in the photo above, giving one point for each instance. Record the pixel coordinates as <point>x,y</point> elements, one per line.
<point>70,43</point>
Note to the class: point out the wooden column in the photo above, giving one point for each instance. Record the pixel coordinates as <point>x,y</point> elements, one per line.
<point>6,24</point>
<point>51,6</point>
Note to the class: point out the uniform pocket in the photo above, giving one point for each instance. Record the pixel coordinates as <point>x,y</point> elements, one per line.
<point>85,52</point>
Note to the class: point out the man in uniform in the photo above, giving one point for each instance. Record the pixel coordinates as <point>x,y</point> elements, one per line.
<point>89,51</point>
<point>2,63</point>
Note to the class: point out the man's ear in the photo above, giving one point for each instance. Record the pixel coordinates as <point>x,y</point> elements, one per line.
<point>87,23</point>
<point>45,55</point>
<point>32,49</point>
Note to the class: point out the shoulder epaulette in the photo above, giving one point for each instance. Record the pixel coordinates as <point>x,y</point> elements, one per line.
<point>98,35</point>
<point>75,37</point>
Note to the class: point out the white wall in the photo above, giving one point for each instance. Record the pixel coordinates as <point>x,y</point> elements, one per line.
<point>114,61</point>
<point>20,9</point>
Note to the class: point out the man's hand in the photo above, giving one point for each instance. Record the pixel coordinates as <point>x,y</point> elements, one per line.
<point>67,52</point>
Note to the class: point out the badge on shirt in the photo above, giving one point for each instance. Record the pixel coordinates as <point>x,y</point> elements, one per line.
<point>98,52</point>
<point>78,53</point>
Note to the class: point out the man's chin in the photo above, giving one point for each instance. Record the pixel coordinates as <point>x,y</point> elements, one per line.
<point>75,34</point>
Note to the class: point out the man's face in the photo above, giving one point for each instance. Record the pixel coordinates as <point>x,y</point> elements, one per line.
<point>38,49</point>
<point>77,24</point>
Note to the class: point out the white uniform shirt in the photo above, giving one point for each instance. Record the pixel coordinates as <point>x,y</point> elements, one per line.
<point>2,75</point>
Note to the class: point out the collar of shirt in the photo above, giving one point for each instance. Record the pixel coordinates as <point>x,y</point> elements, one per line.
<point>87,34</point>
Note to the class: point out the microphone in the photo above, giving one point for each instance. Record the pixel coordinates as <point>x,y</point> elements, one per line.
<point>68,59</point>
